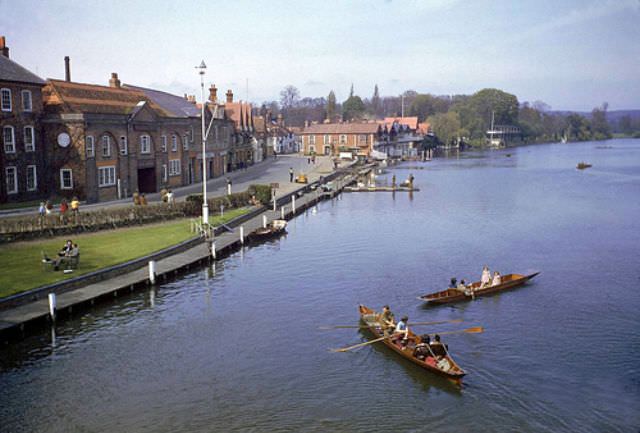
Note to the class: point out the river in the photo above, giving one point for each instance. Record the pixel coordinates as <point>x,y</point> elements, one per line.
<point>237,347</point>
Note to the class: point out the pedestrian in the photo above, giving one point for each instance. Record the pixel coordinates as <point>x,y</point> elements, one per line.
<point>64,207</point>
<point>170,198</point>
<point>309,160</point>
<point>290,174</point>
<point>143,200</point>
<point>48,207</point>
<point>42,210</point>
<point>136,198</point>
<point>228,186</point>
<point>75,206</point>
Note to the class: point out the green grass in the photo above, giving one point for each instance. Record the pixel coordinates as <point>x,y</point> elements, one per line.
<point>22,267</point>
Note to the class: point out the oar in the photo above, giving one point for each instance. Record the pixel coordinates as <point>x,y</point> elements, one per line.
<point>355,346</point>
<point>409,324</point>
<point>474,330</point>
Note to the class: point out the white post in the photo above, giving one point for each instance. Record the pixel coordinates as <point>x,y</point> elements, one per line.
<point>52,306</point>
<point>242,235</point>
<point>221,210</point>
<point>228,189</point>
<point>264,221</point>
<point>152,271</point>
<point>205,205</point>
<point>213,250</point>
<point>293,203</point>
<point>119,190</point>
<point>282,212</point>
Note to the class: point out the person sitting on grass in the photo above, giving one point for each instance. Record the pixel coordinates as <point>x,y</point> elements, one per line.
<point>72,254</point>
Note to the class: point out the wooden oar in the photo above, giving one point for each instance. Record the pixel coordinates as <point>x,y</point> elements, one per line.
<point>409,324</point>
<point>355,346</point>
<point>474,330</point>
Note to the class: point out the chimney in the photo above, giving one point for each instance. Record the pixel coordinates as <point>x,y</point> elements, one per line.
<point>114,81</point>
<point>213,93</point>
<point>280,119</point>
<point>67,69</point>
<point>229,96</point>
<point>4,50</point>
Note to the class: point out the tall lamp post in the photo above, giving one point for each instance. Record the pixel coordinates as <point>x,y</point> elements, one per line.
<point>205,206</point>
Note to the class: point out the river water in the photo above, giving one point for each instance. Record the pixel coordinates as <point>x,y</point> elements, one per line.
<point>238,347</point>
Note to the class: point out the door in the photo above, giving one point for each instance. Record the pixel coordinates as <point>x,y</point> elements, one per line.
<point>147,180</point>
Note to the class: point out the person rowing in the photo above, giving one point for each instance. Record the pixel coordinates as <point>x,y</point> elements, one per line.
<point>402,331</point>
<point>387,320</point>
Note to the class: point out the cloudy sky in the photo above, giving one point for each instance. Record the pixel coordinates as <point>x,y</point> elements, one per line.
<point>571,54</point>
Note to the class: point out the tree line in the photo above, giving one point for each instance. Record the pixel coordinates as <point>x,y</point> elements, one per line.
<point>455,117</point>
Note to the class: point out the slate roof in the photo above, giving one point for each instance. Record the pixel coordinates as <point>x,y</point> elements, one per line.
<point>91,98</point>
<point>177,106</point>
<point>340,128</point>
<point>11,71</point>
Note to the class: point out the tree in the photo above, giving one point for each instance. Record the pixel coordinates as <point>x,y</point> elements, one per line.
<point>353,108</point>
<point>579,127</point>
<point>425,105</point>
<point>375,102</point>
<point>351,91</point>
<point>446,126</point>
<point>289,97</point>
<point>599,124</point>
<point>331,106</point>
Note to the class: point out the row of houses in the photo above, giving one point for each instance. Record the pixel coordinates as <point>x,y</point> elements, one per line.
<point>62,138</point>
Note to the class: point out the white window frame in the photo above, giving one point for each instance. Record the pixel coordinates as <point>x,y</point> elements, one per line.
<point>105,140</point>
<point>11,143</point>
<point>312,148</point>
<point>362,139</point>
<point>165,173</point>
<point>343,139</point>
<point>174,143</point>
<point>62,173</point>
<point>5,93</point>
<point>327,139</point>
<point>29,147</point>
<point>185,142</point>
<point>174,167</point>
<point>145,143</point>
<point>14,170</point>
<point>123,146</point>
<point>32,169</point>
<point>312,139</point>
<point>90,146</point>
<point>106,176</point>
<point>27,107</point>
<point>163,143</point>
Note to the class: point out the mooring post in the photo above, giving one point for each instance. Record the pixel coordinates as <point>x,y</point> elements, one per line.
<point>293,204</point>
<point>282,212</point>
<point>242,235</point>
<point>52,306</point>
<point>213,250</point>
<point>264,221</point>
<point>152,271</point>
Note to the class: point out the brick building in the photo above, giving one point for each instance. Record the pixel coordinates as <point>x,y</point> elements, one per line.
<point>331,138</point>
<point>245,149</point>
<point>22,175</point>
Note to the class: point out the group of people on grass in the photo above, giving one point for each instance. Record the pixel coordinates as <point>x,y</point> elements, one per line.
<point>67,254</point>
<point>423,346</point>
<point>486,280</point>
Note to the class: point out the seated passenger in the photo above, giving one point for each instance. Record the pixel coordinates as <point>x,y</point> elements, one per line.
<point>452,284</point>
<point>438,349</point>
<point>485,280</point>
<point>462,287</point>
<point>402,330</point>
<point>497,279</point>
<point>422,351</point>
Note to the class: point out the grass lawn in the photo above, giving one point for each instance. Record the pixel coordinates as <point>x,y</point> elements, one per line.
<point>22,267</point>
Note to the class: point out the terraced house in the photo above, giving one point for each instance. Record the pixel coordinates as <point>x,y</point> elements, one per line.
<point>332,138</point>
<point>105,142</point>
<point>22,156</point>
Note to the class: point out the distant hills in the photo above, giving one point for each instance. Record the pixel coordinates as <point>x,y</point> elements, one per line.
<point>613,116</point>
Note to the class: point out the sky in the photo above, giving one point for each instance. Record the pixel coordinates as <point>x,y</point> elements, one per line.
<point>570,54</point>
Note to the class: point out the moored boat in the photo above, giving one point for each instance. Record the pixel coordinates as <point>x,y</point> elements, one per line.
<point>274,228</point>
<point>441,364</point>
<point>475,290</point>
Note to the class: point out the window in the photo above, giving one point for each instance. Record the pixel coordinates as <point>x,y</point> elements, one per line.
<point>29,139</point>
<point>106,146</point>
<point>174,167</point>
<point>27,104</point>
<point>11,176</point>
<point>145,144</point>
<point>362,139</point>
<point>165,173</point>
<point>123,145</point>
<point>312,149</point>
<point>174,143</point>
<point>8,137</point>
<point>343,139</point>
<point>312,139</point>
<point>163,143</point>
<point>32,180</point>
<point>90,145</point>
<point>66,178</point>
<point>185,142</point>
<point>107,176</point>
<point>327,139</point>
<point>5,99</point>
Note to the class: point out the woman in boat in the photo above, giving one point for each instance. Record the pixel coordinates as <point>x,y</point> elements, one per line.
<point>387,320</point>
<point>422,350</point>
<point>461,287</point>
<point>497,279</point>
<point>485,280</point>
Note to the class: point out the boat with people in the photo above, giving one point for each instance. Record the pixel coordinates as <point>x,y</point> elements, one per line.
<point>476,289</point>
<point>583,165</point>
<point>437,359</point>
<point>272,229</point>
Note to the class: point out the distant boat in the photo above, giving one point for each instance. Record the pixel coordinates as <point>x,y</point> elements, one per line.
<point>583,165</point>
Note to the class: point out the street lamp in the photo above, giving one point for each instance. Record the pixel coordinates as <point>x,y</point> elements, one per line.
<point>205,206</point>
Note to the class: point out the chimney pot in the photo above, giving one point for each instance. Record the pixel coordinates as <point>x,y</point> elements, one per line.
<point>67,69</point>
<point>229,96</point>
<point>114,81</point>
<point>4,50</point>
<point>213,93</point>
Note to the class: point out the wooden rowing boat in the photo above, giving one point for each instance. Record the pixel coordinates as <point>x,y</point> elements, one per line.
<point>509,281</point>
<point>275,228</point>
<point>443,366</point>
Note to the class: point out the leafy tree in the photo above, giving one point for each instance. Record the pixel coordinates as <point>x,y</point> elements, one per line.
<point>353,107</point>
<point>578,127</point>
<point>425,105</point>
<point>446,126</point>
<point>331,105</point>
<point>376,103</point>
<point>599,124</point>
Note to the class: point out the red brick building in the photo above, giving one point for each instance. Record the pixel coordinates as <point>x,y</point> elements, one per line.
<point>331,138</point>
<point>22,174</point>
